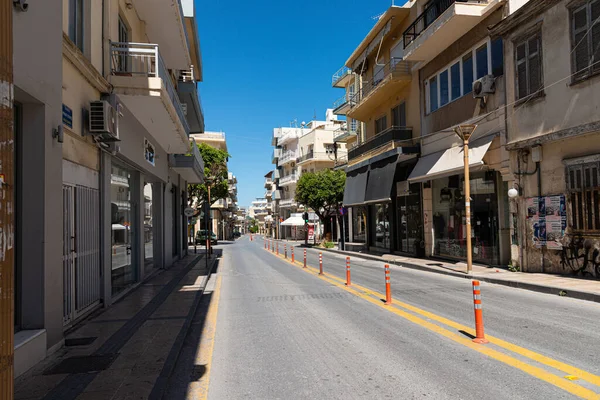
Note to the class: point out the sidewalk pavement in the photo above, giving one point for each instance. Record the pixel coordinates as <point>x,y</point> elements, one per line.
<point>562,285</point>
<point>129,350</point>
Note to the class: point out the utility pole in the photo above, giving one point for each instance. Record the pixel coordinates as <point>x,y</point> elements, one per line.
<point>7,183</point>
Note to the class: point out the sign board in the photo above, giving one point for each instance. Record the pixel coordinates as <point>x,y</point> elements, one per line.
<point>311,232</point>
<point>188,212</point>
<point>548,218</point>
<point>67,116</point>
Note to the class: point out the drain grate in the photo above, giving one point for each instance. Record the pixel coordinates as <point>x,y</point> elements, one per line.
<point>84,341</point>
<point>82,365</point>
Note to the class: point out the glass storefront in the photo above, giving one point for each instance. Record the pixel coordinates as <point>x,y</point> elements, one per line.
<point>148,228</point>
<point>359,224</point>
<point>381,228</point>
<point>124,273</point>
<point>449,222</point>
<point>409,226</point>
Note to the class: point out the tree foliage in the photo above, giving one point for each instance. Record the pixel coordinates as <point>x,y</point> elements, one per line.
<point>215,172</point>
<point>322,191</point>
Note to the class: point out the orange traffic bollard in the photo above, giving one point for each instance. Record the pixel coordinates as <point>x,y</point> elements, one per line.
<point>277,248</point>
<point>479,334</point>
<point>348,272</point>
<point>388,288</point>
<point>304,258</point>
<point>292,247</point>
<point>320,263</point>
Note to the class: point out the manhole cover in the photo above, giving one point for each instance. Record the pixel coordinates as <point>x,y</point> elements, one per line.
<point>80,365</point>
<point>84,341</point>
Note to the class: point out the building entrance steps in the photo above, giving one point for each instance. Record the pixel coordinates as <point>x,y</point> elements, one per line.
<point>130,349</point>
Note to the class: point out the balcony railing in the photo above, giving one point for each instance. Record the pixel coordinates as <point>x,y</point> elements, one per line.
<point>288,156</point>
<point>392,134</point>
<point>395,67</point>
<point>288,179</point>
<point>287,203</point>
<point>144,60</point>
<point>312,155</point>
<point>428,16</point>
<point>341,160</point>
<point>340,74</point>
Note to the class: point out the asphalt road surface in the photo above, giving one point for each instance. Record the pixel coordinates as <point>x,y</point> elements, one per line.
<point>283,332</point>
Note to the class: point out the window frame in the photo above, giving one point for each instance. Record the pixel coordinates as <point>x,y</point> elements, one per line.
<point>579,192</point>
<point>381,118</point>
<point>587,72</point>
<point>487,42</point>
<point>524,40</point>
<point>77,10</point>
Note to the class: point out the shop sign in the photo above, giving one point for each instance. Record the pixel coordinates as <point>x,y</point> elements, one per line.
<point>548,219</point>
<point>311,232</point>
<point>149,152</point>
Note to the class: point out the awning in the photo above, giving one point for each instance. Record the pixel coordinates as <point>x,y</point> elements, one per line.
<point>293,221</point>
<point>356,185</point>
<point>381,181</point>
<point>450,161</point>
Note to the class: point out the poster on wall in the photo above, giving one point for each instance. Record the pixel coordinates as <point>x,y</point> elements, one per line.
<point>548,218</point>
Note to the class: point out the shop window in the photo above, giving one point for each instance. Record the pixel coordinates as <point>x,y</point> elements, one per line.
<point>359,224</point>
<point>381,228</point>
<point>528,66</point>
<point>585,40</point>
<point>583,183</point>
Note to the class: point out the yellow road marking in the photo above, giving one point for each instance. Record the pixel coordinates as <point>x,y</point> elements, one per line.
<point>198,390</point>
<point>532,370</point>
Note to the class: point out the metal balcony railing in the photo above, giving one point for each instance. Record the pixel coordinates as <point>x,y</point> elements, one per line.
<point>312,155</point>
<point>288,156</point>
<point>392,134</point>
<point>396,67</point>
<point>428,16</point>
<point>341,73</point>
<point>144,60</point>
<point>288,179</point>
<point>341,160</point>
<point>342,101</point>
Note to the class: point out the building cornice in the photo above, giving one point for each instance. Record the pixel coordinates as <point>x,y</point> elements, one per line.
<point>522,16</point>
<point>84,66</point>
<point>562,134</point>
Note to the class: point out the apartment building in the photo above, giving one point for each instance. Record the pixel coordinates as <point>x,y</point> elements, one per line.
<point>552,89</point>
<point>350,131</point>
<point>259,211</point>
<point>106,121</point>
<point>269,196</point>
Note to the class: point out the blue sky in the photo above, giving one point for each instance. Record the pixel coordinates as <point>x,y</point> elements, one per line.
<point>268,62</point>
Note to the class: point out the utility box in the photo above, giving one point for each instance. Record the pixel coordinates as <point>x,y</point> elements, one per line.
<point>536,153</point>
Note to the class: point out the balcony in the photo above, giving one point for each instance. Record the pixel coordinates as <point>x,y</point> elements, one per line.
<point>288,180</point>
<point>341,162</point>
<point>442,23</point>
<point>190,100</point>
<point>268,183</point>
<point>143,83</point>
<point>289,136</point>
<point>316,156</point>
<point>344,135</point>
<point>386,82</point>
<point>190,166</point>
<point>288,156</point>
<point>393,137</point>
<point>214,139</point>
<point>276,155</point>
<point>276,135</point>
<point>342,105</point>
<point>164,25</point>
<point>342,77</point>
<point>285,203</point>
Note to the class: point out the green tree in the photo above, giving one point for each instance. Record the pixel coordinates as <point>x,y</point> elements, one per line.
<point>323,192</point>
<point>215,172</point>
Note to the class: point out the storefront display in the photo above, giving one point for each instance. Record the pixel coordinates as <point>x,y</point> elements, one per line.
<point>359,224</point>
<point>148,228</point>
<point>449,219</point>
<point>381,228</point>
<point>409,221</point>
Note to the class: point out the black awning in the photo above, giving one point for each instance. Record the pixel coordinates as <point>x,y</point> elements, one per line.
<point>356,185</point>
<point>381,181</point>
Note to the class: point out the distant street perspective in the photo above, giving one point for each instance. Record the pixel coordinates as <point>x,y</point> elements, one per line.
<point>382,199</point>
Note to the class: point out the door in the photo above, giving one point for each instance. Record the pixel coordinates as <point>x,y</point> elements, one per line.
<point>68,253</point>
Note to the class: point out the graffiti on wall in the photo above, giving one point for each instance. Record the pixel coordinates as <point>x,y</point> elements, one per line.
<point>581,256</point>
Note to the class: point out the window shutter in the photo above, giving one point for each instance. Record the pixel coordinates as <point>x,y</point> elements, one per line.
<point>521,71</point>
<point>535,67</point>
<point>581,55</point>
<point>595,35</point>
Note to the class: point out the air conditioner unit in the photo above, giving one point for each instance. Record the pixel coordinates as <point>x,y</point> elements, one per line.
<point>104,121</point>
<point>484,86</point>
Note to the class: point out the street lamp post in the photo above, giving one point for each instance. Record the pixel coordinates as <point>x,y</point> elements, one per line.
<point>464,132</point>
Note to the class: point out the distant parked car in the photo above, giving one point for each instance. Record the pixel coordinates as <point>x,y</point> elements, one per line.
<point>201,237</point>
<point>236,234</point>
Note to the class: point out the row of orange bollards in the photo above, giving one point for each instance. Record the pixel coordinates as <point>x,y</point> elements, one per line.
<point>479,330</point>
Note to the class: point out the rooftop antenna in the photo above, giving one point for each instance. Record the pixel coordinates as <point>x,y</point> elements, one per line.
<point>314,114</point>
<point>378,16</point>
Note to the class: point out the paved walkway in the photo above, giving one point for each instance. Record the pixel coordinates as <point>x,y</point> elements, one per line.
<point>129,350</point>
<point>580,288</point>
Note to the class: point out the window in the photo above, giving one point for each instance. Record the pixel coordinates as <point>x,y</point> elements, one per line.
<point>497,57</point>
<point>585,39</point>
<point>123,30</point>
<point>381,124</point>
<point>76,22</point>
<point>583,185</point>
<point>529,66</point>
<point>444,89</point>
<point>467,73</point>
<point>353,125</point>
<point>455,78</point>
<point>399,115</point>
